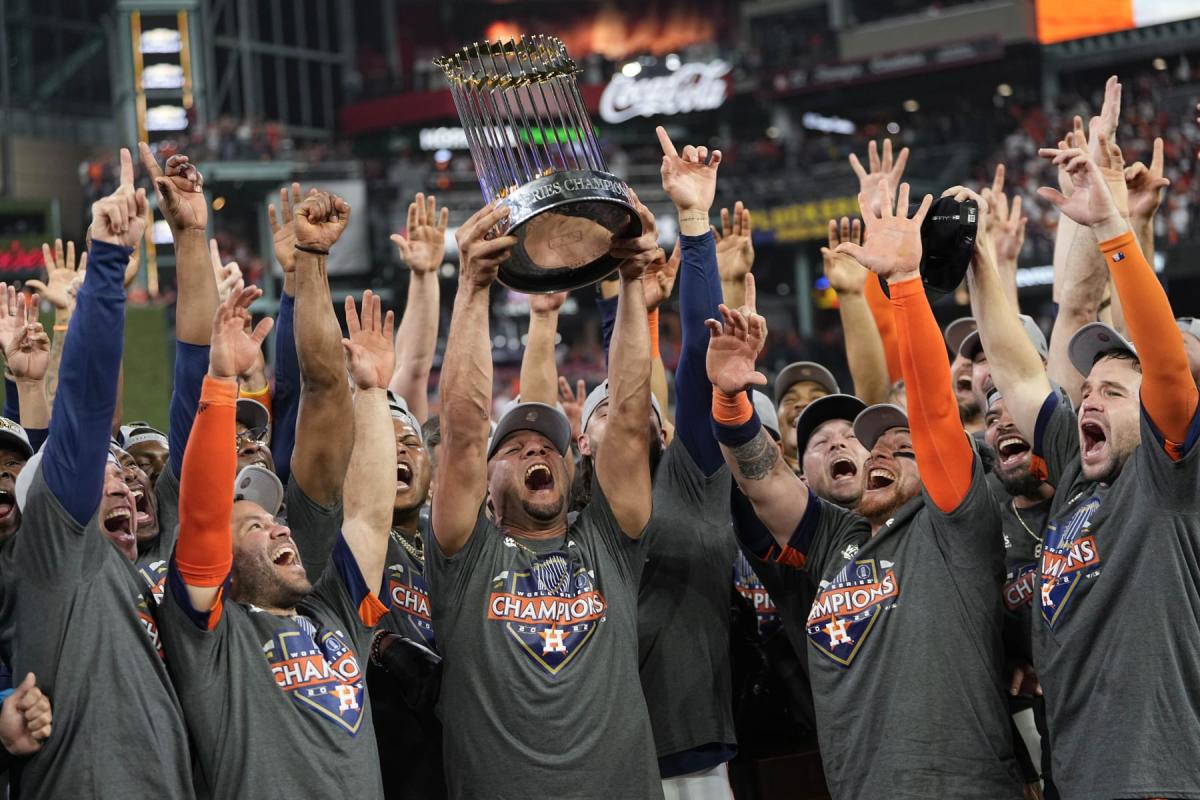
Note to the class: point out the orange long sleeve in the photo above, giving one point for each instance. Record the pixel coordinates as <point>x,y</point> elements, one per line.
<point>204,554</point>
<point>885,321</point>
<point>943,453</point>
<point>1168,393</point>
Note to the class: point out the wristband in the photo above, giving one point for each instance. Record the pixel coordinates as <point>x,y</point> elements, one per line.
<point>60,328</point>
<point>316,251</point>
<point>731,411</point>
<point>652,321</point>
<point>737,435</point>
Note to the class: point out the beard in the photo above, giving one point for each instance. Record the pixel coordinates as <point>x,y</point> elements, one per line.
<point>1020,484</point>
<point>543,512</point>
<point>968,410</point>
<point>258,583</point>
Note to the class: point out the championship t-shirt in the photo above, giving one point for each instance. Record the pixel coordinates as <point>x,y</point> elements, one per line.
<point>277,706</point>
<point>683,610</point>
<point>1023,535</point>
<point>747,584</point>
<point>83,627</point>
<point>540,691</point>
<point>1117,645</point>
<point>904,649</point>
<point>404,580</point>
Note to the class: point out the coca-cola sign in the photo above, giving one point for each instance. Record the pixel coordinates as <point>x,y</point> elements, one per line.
<point>693,87</point>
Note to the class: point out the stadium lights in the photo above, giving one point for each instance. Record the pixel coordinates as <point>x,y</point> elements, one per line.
<point>673,62</point>
<point>893,128</point>
<point>1004,90</point>
<point>631,69</point>
<point>1159,64</point>
<point>911,105</point>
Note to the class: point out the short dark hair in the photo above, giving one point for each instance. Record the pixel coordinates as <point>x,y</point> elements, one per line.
<point>1119,353</point>
<point>431,431</point>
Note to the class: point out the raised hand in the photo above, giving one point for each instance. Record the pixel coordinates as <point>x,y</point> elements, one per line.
<point>734,344</point>
<point>283,227</point>
<point>1005,225</point>
<point>893,242</point>
<point>26,719</point>
<point>480,252</point>
<point>235,346</point>
<point>10,321</point>
<point>572,402</point>
<point>227,276</point>
<point>425,246</point>
<point>546,303</point>
<point>881,169</point>
<point>1090,203</point>
<point>844,273</point>
<point>690,179</point>
<point>180,190</point>
<point>320,220</point>
<point>735,251</point>
<point>61,270</point>
<point>120,218</point>
<point>28,352</point>
<point>1106,123</point>
<point>639,253</point>
<point>370,358</point>
<point>658,280</point>
<point>1146,184</point>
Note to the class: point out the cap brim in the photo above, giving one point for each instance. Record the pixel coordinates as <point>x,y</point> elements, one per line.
<point>877,420</point>
<point>957,332</point>
<point>259,485</point>
<point>822,410</point>
<point>792,374</point>
<point>1090,341</point>
<point>970,346</point>
<point>537,417</point>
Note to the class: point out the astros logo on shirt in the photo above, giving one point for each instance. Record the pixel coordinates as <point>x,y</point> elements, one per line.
<point>319,671</point>
<point>155,577</point>
<point>847,607</point>
<point>1019,586</point>
<point>550,611</point>
<point>410,600</point>
<point>1071,553</point>
<point>750,587</point>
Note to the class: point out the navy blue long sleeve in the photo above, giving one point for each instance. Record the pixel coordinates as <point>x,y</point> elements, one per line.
<point>191,365</point>
<point>80,425</point>
<point>285,399</point>
<point>699,296</point>
<point>12,401</point>
<point>608,321</point>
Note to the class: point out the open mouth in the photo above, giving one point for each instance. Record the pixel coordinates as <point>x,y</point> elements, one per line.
<point>119,520</point>
<point>8,505</point>
<point>404,475</point>
<point>1093,436</point>
<point>879,478</point>
<point>843,468</point>
<point>963,385</point>
<point>1011,448</point>
<point>142,504</point>
<point>538,478</point>
<point>286,556</point>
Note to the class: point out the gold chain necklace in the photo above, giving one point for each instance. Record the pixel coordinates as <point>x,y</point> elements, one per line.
<point>416,552</point>
<point>1017,514</point>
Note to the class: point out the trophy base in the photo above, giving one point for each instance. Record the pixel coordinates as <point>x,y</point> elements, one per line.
<point>565,224</point>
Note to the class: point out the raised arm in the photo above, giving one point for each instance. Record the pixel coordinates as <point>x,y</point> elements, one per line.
<point>623,464</point>
<point>416,341</point>
<point>893,251</point>
<point>1145,187</point>
<point>864,347</point>
<point>466,385</point>
<point>323,439</point>
<point>690,180</point>
<point>1168,393</point>
<point>539,372</point>
<point>1006,231</point>
<point>370,487</point>
<point>28,356</point>
<point>285,400</point>
<point>63,277</point>
<point>735,254</point>
<point>76,452</point>
<point>204,552</point>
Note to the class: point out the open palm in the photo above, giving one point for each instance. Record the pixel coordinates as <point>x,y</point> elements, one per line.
<point>235,346</point>
<point>61,271</point>
<point>369,353</point>
<point>1090,202</point>
<point>424,249</point>
<point>734,344</point>
<point>893,242</point>
<point>735,251</point>
<point>283,227</point>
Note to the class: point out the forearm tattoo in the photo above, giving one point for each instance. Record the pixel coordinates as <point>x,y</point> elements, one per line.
<point>756,458</point>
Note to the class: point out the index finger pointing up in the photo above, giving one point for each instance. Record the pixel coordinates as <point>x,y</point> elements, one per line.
<point>751,294</point>
<point>126,168</point>
<point>148,161</point>
<point>668,147</point>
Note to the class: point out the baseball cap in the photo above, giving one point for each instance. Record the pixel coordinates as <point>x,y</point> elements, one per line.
<point>1090,341</point>
<point>957,331</point>
<point>804,371</point>
<point>539,417</point>
<point>254,415</point>
<point>972,344</point>
<point>1189,325</point>
<point>140,432</point>
<point>600,394</point>
<point>822,410</point>
<point>877,420</point>
<point>14,436</point>
<point>398,407</point>
<point>259,485</point>
<point>766,413</point>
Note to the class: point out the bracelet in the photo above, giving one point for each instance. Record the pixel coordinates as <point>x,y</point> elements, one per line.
<point>60,328</point>
<point>375,659</point>
<point>316,251</point>
<point>1105,304</point>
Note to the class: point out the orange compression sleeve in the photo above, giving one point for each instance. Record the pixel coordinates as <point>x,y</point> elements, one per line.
<point>731,411</point>
<point>885,321</point>
<point>943,453</point>
<point>652,321</point>
<point>1168,393</point>
<point>204,554</point>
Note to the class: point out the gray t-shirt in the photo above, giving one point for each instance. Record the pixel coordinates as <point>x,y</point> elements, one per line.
<point>904,649</point>
<point>1023,532</point>
<point>683,607</point>
<point>540,691</point>
<point>277,706</point>
<point>83,613</point>
<point>408,590</point>
<point>314,528</point>
<point>1117,646</point>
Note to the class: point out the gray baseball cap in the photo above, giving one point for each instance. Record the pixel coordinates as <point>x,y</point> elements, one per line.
<point>254,415</point>
<point>600,395</point>
<point>877,420</point>
<point>822,410</point>
<point>804,371</point>
<point>1189,325</point>
<point>972,344</point>
<point>259,485</point>
<point>957,331</point>
<point>539,417</point>
<point>766,413</point>
<point>1090,341</point>
<point>398,407</point>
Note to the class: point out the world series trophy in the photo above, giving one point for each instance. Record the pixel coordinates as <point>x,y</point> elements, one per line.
<point>535,151</point>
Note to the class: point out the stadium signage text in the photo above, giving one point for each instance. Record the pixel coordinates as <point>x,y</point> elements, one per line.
<point>695,86</point>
